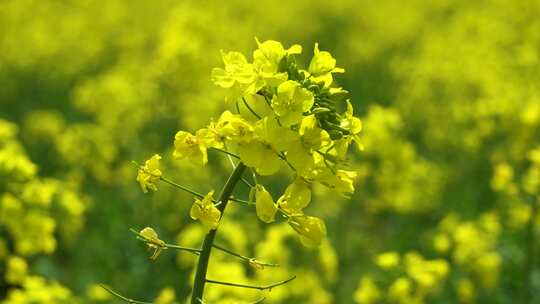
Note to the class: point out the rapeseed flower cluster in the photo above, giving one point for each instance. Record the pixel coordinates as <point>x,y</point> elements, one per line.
<point>280,115</point>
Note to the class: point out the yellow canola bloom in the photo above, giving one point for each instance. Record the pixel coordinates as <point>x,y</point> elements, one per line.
<point>153,241</point>
<point>262,151</point>
<point>353,125</point>
<point>261,156</point>
<point>36,289</point>
<point>17,270</point>
<point>311,229</point>
<point>97,293</point>
<point>322,66</point>
<point>238,76</point>
<point>387,260</point>
<point>267,58</point>
<point>296,197</point>
<point>312,138</point>
<point>166,296</point>
<point>401,290</point>
<point>237,71</point>
<point>341,181</point>
<point>233,127</point>
<point>291,102</point>
<point>428,274</point>
<point>367,292</point>
<point>149,174</point>
<point>192,147</point>
<point>441,243</point>
<point>264,204</point>
<point>466,291</point>
<point>205,211</point>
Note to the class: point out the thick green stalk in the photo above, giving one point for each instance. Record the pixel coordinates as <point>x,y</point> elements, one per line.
<point>204,257</point>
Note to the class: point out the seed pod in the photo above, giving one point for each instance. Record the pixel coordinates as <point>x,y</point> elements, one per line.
<point>314,88</point>
<point>335,134</point>
<point>283,64</point>
<point>320,110</point>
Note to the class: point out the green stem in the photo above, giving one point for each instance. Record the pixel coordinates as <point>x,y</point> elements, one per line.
<point>121,297</point>
<point>266,287</point>
<point>225,152</point>
<point>245,258</point>
<point>250,109</point>
<point>233,199</point>
<point>165,245</point>
<point>202,266</point>
<point>170,182</point>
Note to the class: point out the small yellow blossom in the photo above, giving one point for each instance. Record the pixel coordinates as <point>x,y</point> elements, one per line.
<point>267,58</point>
<point>264,205</point>
<point>17,270</point>
<point>503,178</point>
<point>291,102</point>
<point>166,296</point>
<point>205,211</point>
<point>353,125</point>
<point>400,290</point>
<point>487,267</point>
<point>152,240</point>
<point>466,291</point>
<point>322,66</point>
<point>237,71</point>
<point>441,243</point>
<point>192,147</point>
<point>262,152</point>
<point>149,174</point>
<point>311,229</point>
<point>97,293</point>
<point>367,292</point>
<point>296,197</point>
<point>387,260</point>
<point>234,127</point>
<point>255,264</point>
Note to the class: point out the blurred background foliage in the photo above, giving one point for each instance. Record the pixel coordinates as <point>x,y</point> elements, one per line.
<point>446,207</point>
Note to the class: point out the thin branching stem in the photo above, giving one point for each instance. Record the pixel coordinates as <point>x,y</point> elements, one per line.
<point>121,297</point>
<point>165,245</point>
<point>283,157</point>
<point>170,182</point>
<point>256,301</point>
<point>245,258</point>
<point>264,287</point>
<point>247,183</point>
<point>237,200</point>
<point>200,195</point>
<point>254,175</point>
<point>225,152</point>
<point>250,109</point>
<point>198,251</point>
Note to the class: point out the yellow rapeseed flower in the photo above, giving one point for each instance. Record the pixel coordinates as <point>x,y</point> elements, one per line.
<point>296,197</point>
<point>311,229</point>
<point>192,147</point>
<point>264,204</point>
<point>387,260</point>
<point>153,241</point>
<point>205,211</point>
<point>17,270</point>
<point>149,174</point>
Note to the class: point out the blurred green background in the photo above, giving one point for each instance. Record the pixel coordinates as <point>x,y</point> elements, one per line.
<point>445,209</point>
